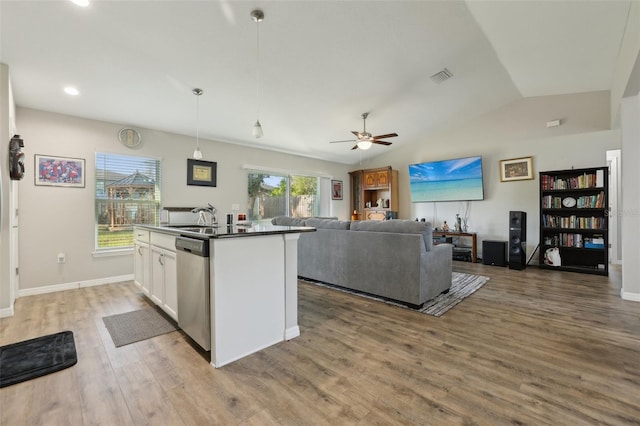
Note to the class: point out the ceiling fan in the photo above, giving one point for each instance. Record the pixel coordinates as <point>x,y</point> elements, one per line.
<point>364,140</point>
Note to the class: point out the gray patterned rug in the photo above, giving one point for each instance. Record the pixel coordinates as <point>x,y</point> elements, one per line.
<point>138,325</point>
<point>462,286</point>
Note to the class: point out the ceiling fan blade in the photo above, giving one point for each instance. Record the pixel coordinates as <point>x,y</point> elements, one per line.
<point>356,133</point>
<point>354,147</point>
<point>388,135</point>
<point>381,142</point>
<point>349,140</point>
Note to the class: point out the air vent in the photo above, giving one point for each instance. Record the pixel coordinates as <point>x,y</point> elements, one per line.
<point>441,76</point>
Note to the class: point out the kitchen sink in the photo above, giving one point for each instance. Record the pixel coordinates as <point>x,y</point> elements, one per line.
<point>200,229</point>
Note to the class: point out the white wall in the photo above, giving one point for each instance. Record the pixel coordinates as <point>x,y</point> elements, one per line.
<point>630,213</point>
<point>57,219</point>
<point>517,130</point>
<point>627,57</point>
<point>6,301</point>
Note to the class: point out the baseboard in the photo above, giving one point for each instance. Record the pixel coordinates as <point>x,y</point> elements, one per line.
<point>74,285</point>
<point>634,297</point>
<point>6,312</point>
<point>291,332</point>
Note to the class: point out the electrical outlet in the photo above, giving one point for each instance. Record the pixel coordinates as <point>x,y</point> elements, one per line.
<point>61,258</point>
<point>235,207</point>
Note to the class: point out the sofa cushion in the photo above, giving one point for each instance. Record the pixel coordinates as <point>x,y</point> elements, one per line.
<point>288,221</point>
<point>299,221</point>
<point>328,223</point>
<point>397,226</point>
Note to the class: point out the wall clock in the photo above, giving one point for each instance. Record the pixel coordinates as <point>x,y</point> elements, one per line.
<point>130,137</point>
<point>569,202</point>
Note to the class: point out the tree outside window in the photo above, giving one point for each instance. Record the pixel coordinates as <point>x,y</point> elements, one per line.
<point>273,195</point>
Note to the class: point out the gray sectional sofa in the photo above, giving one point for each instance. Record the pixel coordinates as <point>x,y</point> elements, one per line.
<point>394,259</point>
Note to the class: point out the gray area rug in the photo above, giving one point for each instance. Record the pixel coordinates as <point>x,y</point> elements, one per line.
<point>135,326</point>
<point>462,286</point>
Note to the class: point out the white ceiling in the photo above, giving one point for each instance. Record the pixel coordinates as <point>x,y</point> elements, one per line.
<point>322,64</point>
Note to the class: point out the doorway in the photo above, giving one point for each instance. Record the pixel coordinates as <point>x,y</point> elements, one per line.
<point>614,162</point>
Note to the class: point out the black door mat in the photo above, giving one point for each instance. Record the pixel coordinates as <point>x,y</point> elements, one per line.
<point>36,357</point>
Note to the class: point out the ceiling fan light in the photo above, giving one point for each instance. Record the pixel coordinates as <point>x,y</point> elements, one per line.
<point>257,130</point>
<point>364,144</point>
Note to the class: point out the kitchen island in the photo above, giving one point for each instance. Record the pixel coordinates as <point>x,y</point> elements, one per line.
<point>253,294</point>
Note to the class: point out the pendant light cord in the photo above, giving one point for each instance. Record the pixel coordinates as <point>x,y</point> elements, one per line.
<point>258,69</point>
<point>197,154</point>
<point>198,122</point>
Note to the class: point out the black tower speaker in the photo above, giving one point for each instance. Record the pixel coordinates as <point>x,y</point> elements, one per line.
<point>494,253</point>
<point>517,240</point>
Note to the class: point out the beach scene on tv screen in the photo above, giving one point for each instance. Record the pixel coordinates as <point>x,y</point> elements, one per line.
<point>449,180</point>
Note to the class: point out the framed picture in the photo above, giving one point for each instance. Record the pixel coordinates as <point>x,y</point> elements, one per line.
<point>201,173</point>
<point>336,190</point>
<point>59,171</point>
<point>516,169</point>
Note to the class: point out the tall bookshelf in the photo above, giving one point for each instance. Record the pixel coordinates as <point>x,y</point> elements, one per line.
<point>573,217</point>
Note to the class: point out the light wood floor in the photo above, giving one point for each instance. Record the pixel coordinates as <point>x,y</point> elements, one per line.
<point>530,347</point>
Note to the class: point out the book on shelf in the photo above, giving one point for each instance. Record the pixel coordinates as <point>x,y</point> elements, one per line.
<point>599,178</point>
<point>583,181</point>
<point>573,222</point>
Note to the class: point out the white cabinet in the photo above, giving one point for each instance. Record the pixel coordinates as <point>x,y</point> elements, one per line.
<point>141,263</point>
<point>170,304</point>
<point>164,276</point>
<point>154,268</point>
<point>141,267</point>
<point>164,280</point>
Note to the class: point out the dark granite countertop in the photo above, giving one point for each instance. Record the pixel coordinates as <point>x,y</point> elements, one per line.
<point>224,231</point>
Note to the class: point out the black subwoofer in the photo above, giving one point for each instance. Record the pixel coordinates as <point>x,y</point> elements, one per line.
<point>517,240</point>
<point>494,253</point>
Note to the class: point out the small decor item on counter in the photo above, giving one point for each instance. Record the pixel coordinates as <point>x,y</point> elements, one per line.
<point>380,202</point>
<point>242,220</point>
<point>445,227</point>
<point>230,219</point>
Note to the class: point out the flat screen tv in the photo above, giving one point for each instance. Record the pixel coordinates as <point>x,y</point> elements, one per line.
<point>459,179</point>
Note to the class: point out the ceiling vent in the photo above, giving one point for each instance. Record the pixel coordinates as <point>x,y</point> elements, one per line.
<point>441,76</point>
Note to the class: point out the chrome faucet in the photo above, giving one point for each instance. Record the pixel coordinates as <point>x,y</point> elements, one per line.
<point>213,221</point>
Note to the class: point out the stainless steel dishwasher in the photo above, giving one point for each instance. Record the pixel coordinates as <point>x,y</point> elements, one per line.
<point>194,313</point>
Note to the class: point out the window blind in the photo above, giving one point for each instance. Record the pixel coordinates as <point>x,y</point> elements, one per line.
<point>128,193</point>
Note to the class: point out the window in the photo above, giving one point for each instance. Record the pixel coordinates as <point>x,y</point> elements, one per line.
<point>127,193</point>
<point>272,195</point>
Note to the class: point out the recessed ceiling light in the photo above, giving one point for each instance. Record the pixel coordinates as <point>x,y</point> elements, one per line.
<point>81,3</point>
<point>71,91</point>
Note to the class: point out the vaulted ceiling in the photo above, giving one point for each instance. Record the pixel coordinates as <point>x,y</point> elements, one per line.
<point>321,64</point>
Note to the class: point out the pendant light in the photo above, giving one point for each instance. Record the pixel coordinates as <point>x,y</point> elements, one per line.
<point>258,16</point>
<point>197,154</point>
